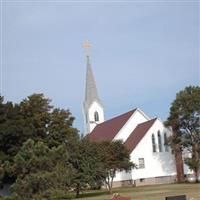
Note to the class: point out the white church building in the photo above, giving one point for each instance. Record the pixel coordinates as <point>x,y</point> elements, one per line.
<point>145,138</point>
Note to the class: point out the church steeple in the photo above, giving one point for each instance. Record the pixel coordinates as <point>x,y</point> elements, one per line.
<point>93,108</point>
<point>91,93</point>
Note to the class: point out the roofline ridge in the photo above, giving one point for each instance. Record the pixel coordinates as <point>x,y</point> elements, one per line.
<point>160,119</point>
<point>146,116</point>
<point>121,115</point>
<point>133,110</point>
<point>154,119</point>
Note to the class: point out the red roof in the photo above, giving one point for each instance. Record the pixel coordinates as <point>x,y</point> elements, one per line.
<point>138,133</point>
<point>107,130</point>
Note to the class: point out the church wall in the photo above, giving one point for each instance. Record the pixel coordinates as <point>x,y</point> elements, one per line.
<point>128,128</point>
<point>91,121</point>
<point>145,181</point>
<point>155,180</point>
<point>123,176</point>
<point>157,164</point>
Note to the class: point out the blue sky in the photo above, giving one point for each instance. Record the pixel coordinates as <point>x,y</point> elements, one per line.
<point>142,53</point>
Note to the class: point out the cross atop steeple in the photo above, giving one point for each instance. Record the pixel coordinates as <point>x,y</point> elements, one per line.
<point>87,47</point>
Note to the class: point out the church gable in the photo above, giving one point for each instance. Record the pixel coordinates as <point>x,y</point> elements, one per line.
<point>138,117</point>
<point>107,130</point>
<point>138,133</point>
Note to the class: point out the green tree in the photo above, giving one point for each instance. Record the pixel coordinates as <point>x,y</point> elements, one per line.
<point>115,158</point>
<point>33,118</point>
<point>185,120</point>
<point>87,163</point>
<point>11,129</point>
<point>18,122</point>
<point>35,110</point>
<point>40,169</point>
<point>12,134</point>
<point>2,172</point>
<point>60,130</point>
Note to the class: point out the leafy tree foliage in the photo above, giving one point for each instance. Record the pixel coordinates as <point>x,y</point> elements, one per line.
<point>96,163</point>
<point>115,158</point>
<point>36,113</point>
<point>2,171</point>
<point>40,169</point>
<point>193,164</point>
<point>60,128</point>
<point>12,131</point>
<point>33,118</point>
<point>185,121</point>
<point>87,163</point>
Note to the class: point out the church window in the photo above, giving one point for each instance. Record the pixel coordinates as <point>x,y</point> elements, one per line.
<point>141,163</point>
<point>165,143</point>
<point>96,116</point>
<point>153,142</point>
<point>159,142</point>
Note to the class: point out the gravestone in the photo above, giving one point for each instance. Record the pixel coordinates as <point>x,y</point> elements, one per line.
<point>181,197</point>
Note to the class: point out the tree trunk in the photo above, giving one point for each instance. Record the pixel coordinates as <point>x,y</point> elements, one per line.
<point>110,188</point>
<point>179,166</point>
<point>111,184</point>
<point>77,189</point>
<point>196,175</point>
<point>108,184</point>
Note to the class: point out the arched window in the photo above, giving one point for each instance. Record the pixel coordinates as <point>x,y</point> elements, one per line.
<point>153,143</point>
<point>165,143</point>
<point>96,116</point>
<point>159,142</point>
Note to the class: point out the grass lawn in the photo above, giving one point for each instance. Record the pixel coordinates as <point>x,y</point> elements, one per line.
<point>158,192</point>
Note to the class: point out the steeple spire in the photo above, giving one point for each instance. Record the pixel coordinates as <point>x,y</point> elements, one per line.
<point>91,93</point>
<point>93,108</point>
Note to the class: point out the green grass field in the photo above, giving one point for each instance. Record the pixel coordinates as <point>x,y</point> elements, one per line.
<point>158,192</point>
